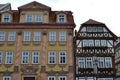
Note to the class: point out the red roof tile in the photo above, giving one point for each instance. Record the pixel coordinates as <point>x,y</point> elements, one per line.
<point>91,21</point>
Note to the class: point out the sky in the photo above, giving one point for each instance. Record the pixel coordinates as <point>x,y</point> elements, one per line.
<point>105,11</point>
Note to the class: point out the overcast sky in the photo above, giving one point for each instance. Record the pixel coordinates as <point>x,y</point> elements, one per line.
<point>106,11</point>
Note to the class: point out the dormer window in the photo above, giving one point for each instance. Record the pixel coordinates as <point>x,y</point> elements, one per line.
<point>61,18</point>
<point>6,18</point>
<point>29,18</point>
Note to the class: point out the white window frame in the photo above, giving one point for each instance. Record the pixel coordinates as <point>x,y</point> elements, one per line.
<point>89,29</point>
<point>52,36</point>
<point>61,18</point>
<point>100,29</point>
<point>27,36</point>
<point>2,35</point>
<point>1,54</point>
<point>65,78</point>
<point>62,57</point>
<point>6,17</point>
<point>51,77</point>
<point>37,36</point>
<point>35,57</point>
<point>9,57</point>
<point>11,36</point>
<point>25,55</point>
<point>89,62</point>
<point>29,18</point>
<point>108,62</point>
<point>100,62</point>
<point>81,62</point>
<point>38,18</point>
<point>62,36</point>
<point>51,57</point>
<point>8,77</point>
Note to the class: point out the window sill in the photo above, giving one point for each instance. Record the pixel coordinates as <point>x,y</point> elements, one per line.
<point>52,43</point>
<point>62,43</point>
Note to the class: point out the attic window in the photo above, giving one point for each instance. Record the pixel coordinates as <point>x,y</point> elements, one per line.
<point>61,18</point>
<point>6,18</point>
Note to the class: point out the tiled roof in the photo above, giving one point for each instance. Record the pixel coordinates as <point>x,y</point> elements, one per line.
<point>91,21</point>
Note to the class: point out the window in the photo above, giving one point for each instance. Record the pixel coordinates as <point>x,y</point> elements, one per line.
<point>2,36</point>
<point>62,57</point>
<point>52,36</point>
<point>61,18</point>
<point>89,29</point>
<point>81,62</point>
<point>38,18</point>
<point>108,62</point>
<point>97,43</point>
<point>35,57</point>
<point>103,43</point>
<point>25,57</point>
<point>36,36</point>
<point>62,78</point>
<point>89,63</point>
<point>85,43</point>
<point>29,18</point>
<point>91,43</point>
<point>100,62</point>
<point>6,78</point>
<point>1,56</point>
<point>62,36</point>
<point>11,36</point>
<point>51,78</point>
<point>9,57</point>
<point>51,57</point>
<point>100,29</point>
<point>94,29</point>
<point>27,36</point>
<point>6,18</point>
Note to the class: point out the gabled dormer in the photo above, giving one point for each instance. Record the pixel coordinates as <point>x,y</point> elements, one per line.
<point>34,12</point>
<point>6,13</point>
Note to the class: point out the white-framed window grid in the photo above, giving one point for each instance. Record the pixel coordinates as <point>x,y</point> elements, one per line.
<point>9,57</point>
<point>1,53</point>
<point>11,36</point>
<point>103,43</point>
<point>25,57</point>
<point>62,57</point>
<point>51,78</point>
<point>108,62</point>
<point>62,36</point>
<point>2,36</point>
<point>61,18</point>
<point>6,77</point>
<point>100,62</point>
<point>51,57</point>
<point>27,36</point>
<point>89,62</point>
<point>6,18</point>
<point>29,18</point>
<point>37,36</point>
<point>97,43</point>
<point>62,78</point>
<point>52,36</point>
<point>85,43</point>
<point>91,42</point>
<point>81,62</point>
<point>35,57</point>
<point>38,18</point>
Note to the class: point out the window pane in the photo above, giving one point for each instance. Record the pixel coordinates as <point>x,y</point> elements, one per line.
<point>81,62</point>
<point>61,18</point>
<point>108,62</point>
<point>62,36</point>
<point>6,18</point>
<point>11,36</point>
<point>35,57</point>
<point>2,36</point>
<point>38,18</point>
<point>1,56</point>
<point>89,63</point>
<point>36,36</point>
<point>28,18</point>
<point>51,57</point>
<point>100,62</point>
<point>27,36</point>
<point>52,36</point>
<point>9,57</point>
<point>25,57</point>
<point>62,57</point>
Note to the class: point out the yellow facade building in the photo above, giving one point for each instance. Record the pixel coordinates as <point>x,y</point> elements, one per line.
<point>36,43</point>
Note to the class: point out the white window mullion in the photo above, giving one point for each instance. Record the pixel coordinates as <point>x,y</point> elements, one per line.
<point>62,57</point>
<point>35,57</point>
<point>11,36</point>
<point>2,36</point>
<point>27,36</point>
<point>51,78</point>
<point>108,62</point>
<point>62,36</point>
<point>9,57</point>
<point>62,78</point>
<point>1,53</point>
<point>25,57</point>
<point>6,77</point>
<point>52,36</point>
<point>37,36</point>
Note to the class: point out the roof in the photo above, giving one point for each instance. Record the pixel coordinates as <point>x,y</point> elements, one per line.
<point>91,21</point>
<point>35,4</point>
<point>2,5</point>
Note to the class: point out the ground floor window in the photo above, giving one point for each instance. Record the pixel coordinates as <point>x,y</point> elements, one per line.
<point>6,78</point>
